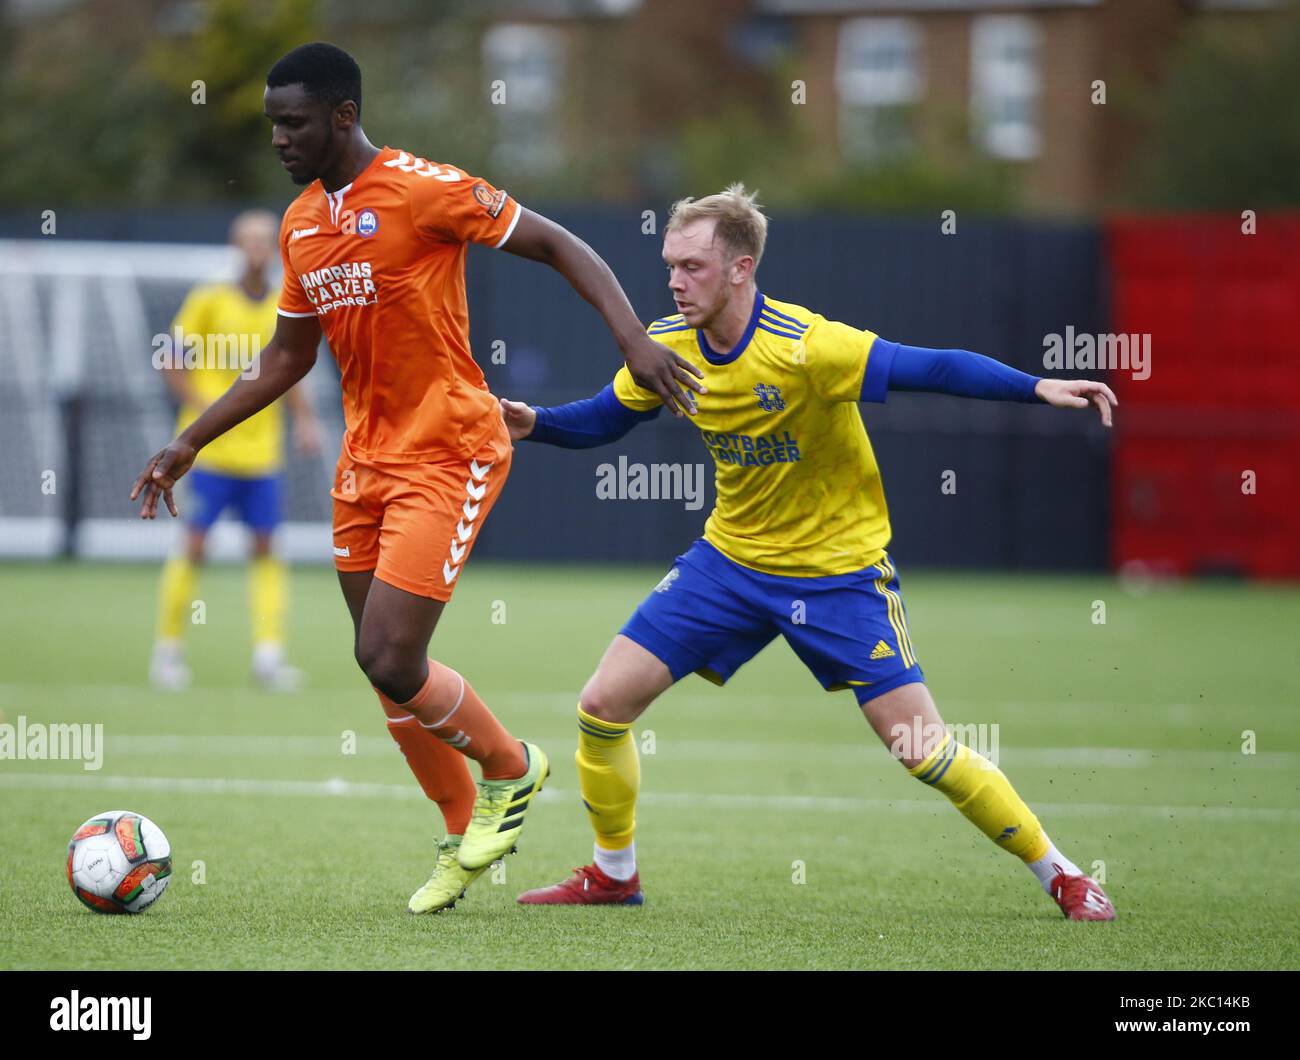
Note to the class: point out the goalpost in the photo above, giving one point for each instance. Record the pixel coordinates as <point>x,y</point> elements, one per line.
<point>82,406</point>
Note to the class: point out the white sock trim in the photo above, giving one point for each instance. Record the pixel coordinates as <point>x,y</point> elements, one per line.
<point>440,724</point>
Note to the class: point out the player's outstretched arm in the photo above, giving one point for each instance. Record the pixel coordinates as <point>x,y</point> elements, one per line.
<point>653,365</point>
<point>283,361</point>
<point>967,374</point>
<point>581,424</point>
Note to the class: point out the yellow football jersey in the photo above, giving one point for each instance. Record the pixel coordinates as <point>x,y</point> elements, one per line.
<point>799,491</point>
<point>223,329</point>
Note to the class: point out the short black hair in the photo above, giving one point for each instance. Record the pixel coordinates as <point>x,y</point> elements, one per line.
<point>326,72</point>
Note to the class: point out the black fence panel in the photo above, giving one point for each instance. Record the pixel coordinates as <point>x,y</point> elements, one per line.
<point>1031,484</point>
<point>969,483</point>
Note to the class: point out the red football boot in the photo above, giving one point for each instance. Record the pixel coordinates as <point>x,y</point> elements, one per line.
<point>587,886</point>
<point>1080,898</point>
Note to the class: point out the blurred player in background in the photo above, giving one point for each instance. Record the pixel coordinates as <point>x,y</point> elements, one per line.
<point>794,547</point>
<point>222,323</point>
<point>374,253</point>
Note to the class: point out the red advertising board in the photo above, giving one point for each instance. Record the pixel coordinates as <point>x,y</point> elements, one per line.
<point>1206,474</point>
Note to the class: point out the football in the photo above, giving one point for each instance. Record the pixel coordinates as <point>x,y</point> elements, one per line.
<point>119,862</point>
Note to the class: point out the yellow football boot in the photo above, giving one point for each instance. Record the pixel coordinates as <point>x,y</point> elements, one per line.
<point>499,810</point>
<point>448,882</point>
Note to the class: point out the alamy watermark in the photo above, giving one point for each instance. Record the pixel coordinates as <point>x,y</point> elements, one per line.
<point>651,482</point>
<point>1081,352</point>
<point>216,350</point>
<point>38,741</point>
<point>916,740</point>
<point>77,1013</point>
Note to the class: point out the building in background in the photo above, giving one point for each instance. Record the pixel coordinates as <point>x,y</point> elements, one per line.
<point>949,83</point>
<point>881,105</point>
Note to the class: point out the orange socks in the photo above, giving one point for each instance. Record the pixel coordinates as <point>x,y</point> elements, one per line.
<point>443,774</point>
<point>449,709</point>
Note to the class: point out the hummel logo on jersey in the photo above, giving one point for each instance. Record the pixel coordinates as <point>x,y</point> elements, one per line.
<point>882,651</point>
<point>476,488</point>
<point>300,233</point>
<point>422,168</point>
<point>769,398</point>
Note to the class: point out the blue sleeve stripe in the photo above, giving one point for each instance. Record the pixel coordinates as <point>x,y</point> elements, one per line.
<point>652,330</point>
<point>880,360</point>
<point>675,318</point>
<point>781,324</point>
<point>767,308</point>
<point>784,334</point>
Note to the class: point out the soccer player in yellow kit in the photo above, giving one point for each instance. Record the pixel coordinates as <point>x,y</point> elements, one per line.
<point>221,327</point>
<point>795,545</point>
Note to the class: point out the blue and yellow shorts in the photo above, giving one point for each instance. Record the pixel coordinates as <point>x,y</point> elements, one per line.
<point>258,501</point>
<point>711,615</point>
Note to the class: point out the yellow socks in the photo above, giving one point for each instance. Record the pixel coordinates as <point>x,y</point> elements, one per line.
<point>268,593</point>
<point>984,796</point>
<point>609,774</point>
<point>174,595</point>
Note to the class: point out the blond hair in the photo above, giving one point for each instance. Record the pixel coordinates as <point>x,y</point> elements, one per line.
<point>741,225</point>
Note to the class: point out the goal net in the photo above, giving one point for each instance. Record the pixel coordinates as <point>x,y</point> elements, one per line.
<point>82,406</point>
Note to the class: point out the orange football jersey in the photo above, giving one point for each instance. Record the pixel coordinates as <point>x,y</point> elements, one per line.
<point>381,264</point>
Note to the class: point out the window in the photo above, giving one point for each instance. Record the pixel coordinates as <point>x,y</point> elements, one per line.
<point>525,61</point>
<point>1005,85</point>
<point>879,76</point>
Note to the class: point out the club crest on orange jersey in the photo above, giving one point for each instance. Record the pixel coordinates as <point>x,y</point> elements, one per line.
<point>367,223</point>
<point>491,203</point>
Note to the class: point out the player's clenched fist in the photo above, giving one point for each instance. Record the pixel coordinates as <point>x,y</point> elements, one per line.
<point>1078,394</point>
<point>160,475</point>
<point>519,418</point>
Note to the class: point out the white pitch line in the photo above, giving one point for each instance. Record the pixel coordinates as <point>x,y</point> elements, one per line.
<point>1009,757</point>
<point>337,787</point>
<point>712,750</point>
<point>958,710</point>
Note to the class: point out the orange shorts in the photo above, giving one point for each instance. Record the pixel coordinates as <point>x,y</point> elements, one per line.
<point>414,524</point>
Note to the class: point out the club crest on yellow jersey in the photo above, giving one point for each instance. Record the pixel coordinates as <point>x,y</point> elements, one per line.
<point>769,398</point>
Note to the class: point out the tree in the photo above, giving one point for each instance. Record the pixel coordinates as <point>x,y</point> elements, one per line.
<point>1226,132</point>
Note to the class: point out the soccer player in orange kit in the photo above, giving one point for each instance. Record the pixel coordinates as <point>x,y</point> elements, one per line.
<point>374,254</point>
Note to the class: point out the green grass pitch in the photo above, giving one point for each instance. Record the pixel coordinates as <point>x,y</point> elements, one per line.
<point>1126,737</point>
